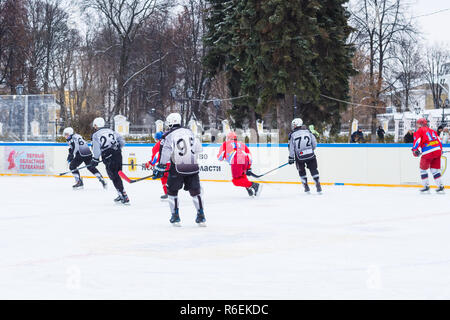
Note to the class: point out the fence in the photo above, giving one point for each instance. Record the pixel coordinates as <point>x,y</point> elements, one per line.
<point>340,164</point>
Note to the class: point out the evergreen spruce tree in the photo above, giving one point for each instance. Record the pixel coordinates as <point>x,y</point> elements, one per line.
<point>273,49</point>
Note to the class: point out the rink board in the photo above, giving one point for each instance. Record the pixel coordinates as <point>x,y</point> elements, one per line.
<point>339,164</point>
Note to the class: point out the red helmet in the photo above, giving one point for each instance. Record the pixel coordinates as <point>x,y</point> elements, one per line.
<point>422,122</point>
<point>231,136</point>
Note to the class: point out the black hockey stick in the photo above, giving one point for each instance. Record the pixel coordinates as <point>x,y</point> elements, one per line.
<point>72,171</point>
<point>127,179</point>
<point>261,175</point>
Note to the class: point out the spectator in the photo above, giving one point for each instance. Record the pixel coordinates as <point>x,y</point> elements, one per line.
<point>439,130</point>
<point>445,136</point>
<point>380,133</point>
<point>314,132</point>
<point>357,136</point>
<point>409,137</point>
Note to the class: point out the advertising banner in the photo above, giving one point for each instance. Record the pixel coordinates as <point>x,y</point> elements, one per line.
<point>28,160</point>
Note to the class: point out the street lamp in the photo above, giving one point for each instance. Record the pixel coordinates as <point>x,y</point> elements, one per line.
<point>444,105</point>
<point>217,103</point>
<point>19,91</point>
<point>174,95</point>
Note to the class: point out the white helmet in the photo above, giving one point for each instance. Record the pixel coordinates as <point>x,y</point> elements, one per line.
<point>98,122</point>
<point>68,131</point>
<point>173,119</point>
<point>297,122</point>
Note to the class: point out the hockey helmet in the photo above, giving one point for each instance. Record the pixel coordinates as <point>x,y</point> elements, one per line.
<point>68,132</point>
<point>231,136</point>
<point>98,122</point>
<point>422,122</point>
<point>173,119</point>
<point>159,135</point>
<point>297,122</point>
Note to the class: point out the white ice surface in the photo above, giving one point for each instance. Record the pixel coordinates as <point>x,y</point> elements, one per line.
<point>349,243</point>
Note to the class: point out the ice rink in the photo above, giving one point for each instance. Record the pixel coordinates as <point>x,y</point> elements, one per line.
<point>349,243</point>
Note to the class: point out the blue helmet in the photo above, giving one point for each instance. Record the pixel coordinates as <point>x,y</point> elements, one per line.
<point>159,135</point>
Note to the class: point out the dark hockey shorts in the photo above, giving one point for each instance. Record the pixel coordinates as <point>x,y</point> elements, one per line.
<point>175,182</point>
<point>311,164</point>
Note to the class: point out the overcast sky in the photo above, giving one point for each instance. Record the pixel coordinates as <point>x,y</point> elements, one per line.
<point>434,25</point>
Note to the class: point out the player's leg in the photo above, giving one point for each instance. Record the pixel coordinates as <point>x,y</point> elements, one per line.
<point>164,185</point>
<point>424,166</point>
<point>113,165</point>
<point>192,184</point>
<point>174,184</point>
<point>87,160</point>
<point>76,174</point>
<point>302,173</point>
<point>312,166</point>
<point>435,168</point>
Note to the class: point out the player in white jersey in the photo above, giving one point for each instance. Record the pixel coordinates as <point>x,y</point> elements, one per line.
<point>80,152</point>
<point>108,144</point>
<point>302,144</point>
<point>180,147</point>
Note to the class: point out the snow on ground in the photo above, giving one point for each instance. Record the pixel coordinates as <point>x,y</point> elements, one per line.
<point>349,243</point>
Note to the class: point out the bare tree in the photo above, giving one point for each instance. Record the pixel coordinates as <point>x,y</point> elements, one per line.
<point>126,18</point>
<point>408,67</point>
<point>379,25</point>
<point>436,57</point>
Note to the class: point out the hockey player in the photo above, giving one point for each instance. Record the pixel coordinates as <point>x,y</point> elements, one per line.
<point>108,144</point>
<point>155,159</point>
<point>238,155</point>
<point>302,144</point>
<point>180,148</point>
<point>428,144</point>
<point>80,152</point>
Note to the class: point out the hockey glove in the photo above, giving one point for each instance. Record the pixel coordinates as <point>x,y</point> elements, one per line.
<point>291,160</point>
<point>70,157</point>
<point>249,172</point>
<point>94,163</point>
<point>148,165</point>
<point>160,169</point>
<point>416,153</point>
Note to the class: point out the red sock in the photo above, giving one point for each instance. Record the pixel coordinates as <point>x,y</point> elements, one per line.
<point>242,181</point>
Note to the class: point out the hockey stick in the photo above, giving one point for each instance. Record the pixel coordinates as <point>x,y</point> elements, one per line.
<point>127,179</point>
<point>261,175</point>
<point>72,171</point>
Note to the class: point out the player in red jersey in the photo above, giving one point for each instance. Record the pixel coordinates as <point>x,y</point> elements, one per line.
<point>155,159</point>
<point>238,155</point>
<point>428,145</point>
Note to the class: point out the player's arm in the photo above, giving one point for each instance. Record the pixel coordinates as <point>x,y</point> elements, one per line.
<point>313,141</point>
<point>198,147</point>
<point>71,149</point>
<point>291,147</point>
<point>416,143</point>
<point>96,151</point>
<point>120,140</point>
<point>222,152</point>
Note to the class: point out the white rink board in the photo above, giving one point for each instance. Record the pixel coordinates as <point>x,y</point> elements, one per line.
<point>338,164</point>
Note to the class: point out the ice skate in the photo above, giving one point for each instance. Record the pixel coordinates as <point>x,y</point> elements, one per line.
<point>425,190</point>
<point>306,186</point>
<point>319,188</point>
<point>200,220</point>
<point>257,187</point>
<point>175,219</point>
<point>250,191</point>
<point>440,190</point>
<point>103,182</point>
<point>79,185</point>
<point>125,200</point>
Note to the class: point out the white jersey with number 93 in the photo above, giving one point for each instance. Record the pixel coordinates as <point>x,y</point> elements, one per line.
<point>181,147</point>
